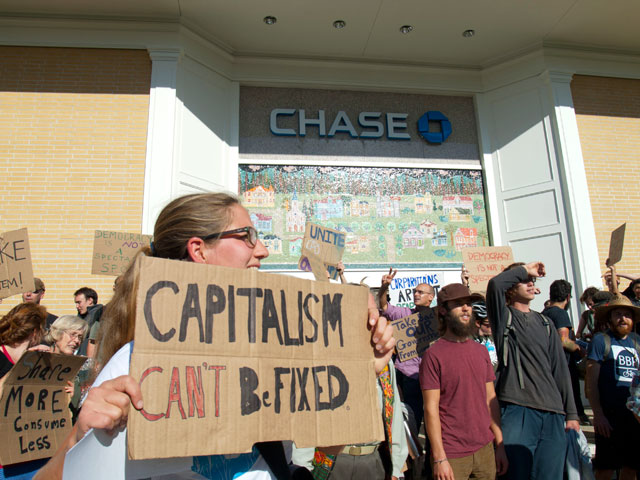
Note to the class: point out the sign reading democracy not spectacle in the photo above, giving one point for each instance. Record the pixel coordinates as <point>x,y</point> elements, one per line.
<point>113,251</point>
<point>322,249</point>
<point>35,417</point>
<point>230,357</point>
<point>484,263</point>
<point>414,334</point>
<point>16,272</point>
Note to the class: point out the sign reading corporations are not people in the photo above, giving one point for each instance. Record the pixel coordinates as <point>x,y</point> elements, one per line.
<point>34,414</point>
<point>16,272</point>
<point>219,351</point>
<point>113,251</point>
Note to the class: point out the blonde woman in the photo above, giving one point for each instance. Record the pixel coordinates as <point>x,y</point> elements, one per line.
<point>66,334</point>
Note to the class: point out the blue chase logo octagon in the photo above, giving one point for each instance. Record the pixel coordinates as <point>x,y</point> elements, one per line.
<point>434,137</point>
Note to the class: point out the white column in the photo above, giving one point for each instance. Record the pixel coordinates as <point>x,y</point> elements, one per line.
<point>586,264</point>
<point>158,177</point>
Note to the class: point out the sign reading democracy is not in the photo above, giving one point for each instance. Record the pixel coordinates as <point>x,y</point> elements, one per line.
<point>16,272</point>
<point>35,417</point>
<point>322,249</point>
<point>113,251</point>
<point>230,357</point>
<point>414,334</point>
<point>484,263</point>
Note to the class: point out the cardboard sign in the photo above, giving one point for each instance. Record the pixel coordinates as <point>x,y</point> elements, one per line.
<point>16,273</point>
<point>402,285</point>
<point>35,417</point>
<point>321,248</point>
<point>230,357</point>
<point>484,263</point>
<point>616,244</point>
<point>113,251</point>
<point>414,334</point>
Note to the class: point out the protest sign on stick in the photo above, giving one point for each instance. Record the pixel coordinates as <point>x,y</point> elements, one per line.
<point>414,334</point>
<point>113,251</point>
<point>615,245</point>
<point>484,263</point>
<point>322,248</point>
<point>16,273</point>
<point>35,417</point>
<point>229,357</point>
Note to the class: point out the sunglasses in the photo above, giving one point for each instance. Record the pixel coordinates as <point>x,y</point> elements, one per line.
<point>251,237</point>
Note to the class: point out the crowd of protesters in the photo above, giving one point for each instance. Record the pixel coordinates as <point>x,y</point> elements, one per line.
<point>498,387</point>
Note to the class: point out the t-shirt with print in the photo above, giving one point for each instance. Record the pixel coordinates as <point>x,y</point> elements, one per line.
<point>560,319</point>
<point>617,370</point>
<point>460,371</point>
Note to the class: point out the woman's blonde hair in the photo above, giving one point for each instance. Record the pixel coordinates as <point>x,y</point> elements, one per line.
<point>62,324</point>
<point>195,215</point>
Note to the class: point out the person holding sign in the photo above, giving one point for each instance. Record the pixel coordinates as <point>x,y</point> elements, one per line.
<point>214,229</point>
<point>423,295</point>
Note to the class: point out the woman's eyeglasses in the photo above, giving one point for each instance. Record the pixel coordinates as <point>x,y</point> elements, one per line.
<point>251,237</point>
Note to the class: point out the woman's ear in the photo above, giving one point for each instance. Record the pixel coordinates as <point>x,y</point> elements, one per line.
<point>196,250</point>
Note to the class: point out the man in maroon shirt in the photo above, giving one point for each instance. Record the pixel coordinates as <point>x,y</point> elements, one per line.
<point>461,408</point>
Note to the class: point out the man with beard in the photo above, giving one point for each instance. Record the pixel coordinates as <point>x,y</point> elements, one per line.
<point>533,383</point>
<point>612,362</point>
<point>461,409</point>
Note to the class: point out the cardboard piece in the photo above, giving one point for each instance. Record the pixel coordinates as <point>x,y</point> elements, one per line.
<point>16,272</point>
<point>229,357</point>
<point>401,288</point>
<point>323,248</point>
<point>35,417</point>
<point>484,263</point>
<point>113,251</point>
<point>414,334</point>
<point>616,244</point>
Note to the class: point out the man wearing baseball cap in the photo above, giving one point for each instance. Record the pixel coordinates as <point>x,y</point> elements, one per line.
<point>612,362</point>
<point>461,409</point>
<point>36,296</point>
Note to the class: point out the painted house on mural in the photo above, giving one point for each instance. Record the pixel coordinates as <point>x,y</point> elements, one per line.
<point>413,238</point>
<point>358,208</point>
<point>296,219</point>
<point>440,239</point>
<point>465,237</point>
<point>327,208</point>
<point>458,208</point>
<point>387,206</point>
<point>263,223</point>
<point>259,197</point>
<point>273,243</point>
<point>423,203</point>
<point>428,228</point>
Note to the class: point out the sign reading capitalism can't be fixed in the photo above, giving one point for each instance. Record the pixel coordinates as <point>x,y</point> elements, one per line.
<point>433,126</point>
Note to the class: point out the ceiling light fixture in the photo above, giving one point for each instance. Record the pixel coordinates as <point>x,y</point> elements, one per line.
<point>269,20</point>
<point>339,24</point>
<point>468,33</point>
<point>406,29</point>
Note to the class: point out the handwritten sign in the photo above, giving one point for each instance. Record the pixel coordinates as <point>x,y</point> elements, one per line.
<point>113,251</point>
<point>401,288</point>
<point>484,263</point>
<point>35,416</point>
<point>230,357</point>
<point>616,244</point>
<point>16,273</point>
<point>414,334</point>
<point>321,248</point>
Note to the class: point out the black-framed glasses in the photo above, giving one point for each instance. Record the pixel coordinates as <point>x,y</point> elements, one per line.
<point>251,237</point>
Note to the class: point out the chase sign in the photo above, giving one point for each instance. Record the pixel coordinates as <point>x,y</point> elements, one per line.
<point>371,125</point>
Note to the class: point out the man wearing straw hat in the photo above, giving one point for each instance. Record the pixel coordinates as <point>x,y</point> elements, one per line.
<point>612,362</point>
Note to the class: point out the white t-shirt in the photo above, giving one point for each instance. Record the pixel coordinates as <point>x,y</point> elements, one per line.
<point>246,466</point>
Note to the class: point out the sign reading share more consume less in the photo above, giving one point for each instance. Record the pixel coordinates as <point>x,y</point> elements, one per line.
<point>370,123</point>
<point>229,357</point>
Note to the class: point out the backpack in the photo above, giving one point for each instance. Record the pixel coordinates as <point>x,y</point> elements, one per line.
<point>505,343</point>
<point>607,343</point>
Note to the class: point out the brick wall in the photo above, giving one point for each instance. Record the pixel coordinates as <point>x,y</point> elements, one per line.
<point>73,127</point>
<point>608,115</point>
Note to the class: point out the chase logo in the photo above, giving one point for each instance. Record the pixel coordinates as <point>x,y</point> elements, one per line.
<point>432,117</point>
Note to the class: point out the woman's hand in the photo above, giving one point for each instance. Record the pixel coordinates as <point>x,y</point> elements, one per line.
<point>381,336</point>
<point>107,406</point>
<point>69,387</point>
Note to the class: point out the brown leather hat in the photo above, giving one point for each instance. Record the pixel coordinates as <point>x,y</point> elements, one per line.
<point>618,301</point>
<point>455,291</point>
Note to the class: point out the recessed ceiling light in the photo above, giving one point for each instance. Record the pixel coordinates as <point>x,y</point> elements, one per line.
<point>269,20</point>
<point>339,24</point>
<point>406,29</point>
<point>468,33</point>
